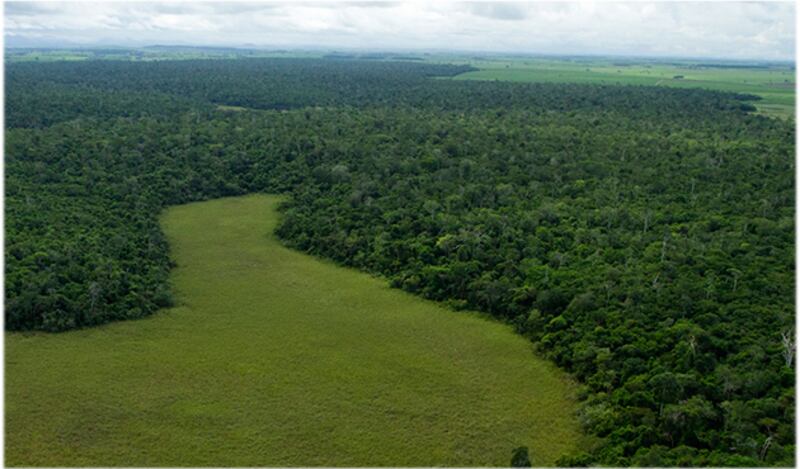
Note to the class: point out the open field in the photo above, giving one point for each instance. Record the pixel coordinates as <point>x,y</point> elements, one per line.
<point>775,84</point>
<point>276,358</point>
<point>226,108</point>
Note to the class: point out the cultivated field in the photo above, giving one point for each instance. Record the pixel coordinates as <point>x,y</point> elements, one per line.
<point>276,358</point>
<point>774,83</point>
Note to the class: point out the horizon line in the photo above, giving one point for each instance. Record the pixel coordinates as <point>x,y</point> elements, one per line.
<point>317,48</point>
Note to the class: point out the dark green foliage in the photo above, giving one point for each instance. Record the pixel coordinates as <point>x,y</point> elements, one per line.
<point>642,237</point>
<point>519,457</point>
<point>52,92</point>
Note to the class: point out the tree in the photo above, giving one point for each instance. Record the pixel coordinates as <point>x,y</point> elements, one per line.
<point>787,344</point>
<point>519,457</point>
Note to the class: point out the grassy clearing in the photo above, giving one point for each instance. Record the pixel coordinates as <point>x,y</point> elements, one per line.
<point>276,358</point>
<point>774,84</point>
<point>226,108</point>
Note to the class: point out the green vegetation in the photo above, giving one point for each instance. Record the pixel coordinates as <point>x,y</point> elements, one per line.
<point>226,108</point>
<point>145,54</point>
<point>640,236</point>
<point>773,83</point>
<point>152,53</point>
<point>275,358</point>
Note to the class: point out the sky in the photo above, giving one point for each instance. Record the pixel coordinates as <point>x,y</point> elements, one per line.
<point>734,30</point>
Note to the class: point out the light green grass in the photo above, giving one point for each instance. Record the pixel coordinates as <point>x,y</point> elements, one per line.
<point>774,84</point>
<point>226,108</point>
<point>277,358</point>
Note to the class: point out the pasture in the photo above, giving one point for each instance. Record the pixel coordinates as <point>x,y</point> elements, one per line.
<point>774,83</point>
<point>273,357</point>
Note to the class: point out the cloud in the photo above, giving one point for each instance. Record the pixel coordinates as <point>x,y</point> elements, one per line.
<point>25,8</point>
<point>372,4</point>
<point>498,10</point>
<point>709,29</point>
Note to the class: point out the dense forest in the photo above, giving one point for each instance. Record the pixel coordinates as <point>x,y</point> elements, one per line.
<point>641,237</point>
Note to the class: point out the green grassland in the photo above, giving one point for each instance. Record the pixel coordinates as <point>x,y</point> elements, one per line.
<point>226,108</point>
<point>774,83</point>
<point>273,357</point>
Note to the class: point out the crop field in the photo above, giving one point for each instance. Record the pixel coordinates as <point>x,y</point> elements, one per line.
<point>775,84</point>
<point>273,357</point>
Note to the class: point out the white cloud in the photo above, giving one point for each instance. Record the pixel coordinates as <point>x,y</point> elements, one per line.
<point>719,29</point>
